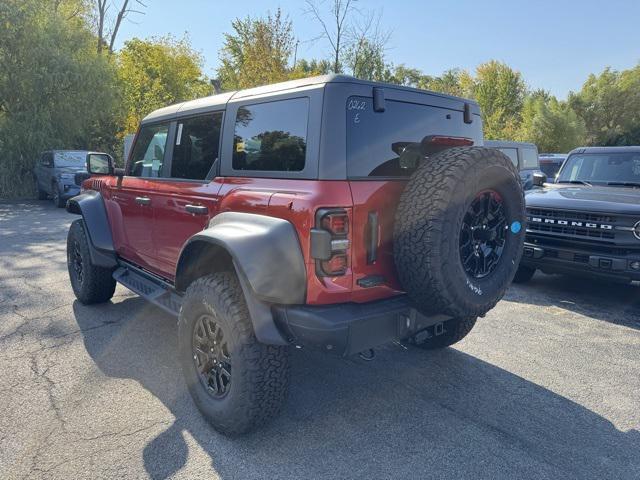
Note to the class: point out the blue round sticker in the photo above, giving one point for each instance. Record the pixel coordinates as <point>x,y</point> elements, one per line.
<point>515,227</point>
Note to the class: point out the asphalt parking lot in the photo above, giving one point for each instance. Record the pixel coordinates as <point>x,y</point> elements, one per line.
<point>546,386</point>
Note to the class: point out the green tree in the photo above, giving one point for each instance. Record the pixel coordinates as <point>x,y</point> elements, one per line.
<point>501,92</point>
<point>55,91</point>
<point>155,73</point>
<point>309,68</point>
<point>365,60</point>
<point>552,125</point>
<point>609,104</point>
<point>257,53</point>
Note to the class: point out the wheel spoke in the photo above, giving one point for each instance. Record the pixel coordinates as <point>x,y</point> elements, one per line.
<point>482,235</point>
<point>211,356</point>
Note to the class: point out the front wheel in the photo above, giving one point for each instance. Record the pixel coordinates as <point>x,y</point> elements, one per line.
<point>40,194</point>
<point>58,201</point>
<point>235,381</point>
<point>90,283</point>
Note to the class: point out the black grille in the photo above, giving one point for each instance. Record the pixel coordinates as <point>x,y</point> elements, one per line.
<point>569,215</point>
<point>545,226</point>
<point>80,177</point>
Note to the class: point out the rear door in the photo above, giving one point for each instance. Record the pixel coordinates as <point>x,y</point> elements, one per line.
<point>188,197</point>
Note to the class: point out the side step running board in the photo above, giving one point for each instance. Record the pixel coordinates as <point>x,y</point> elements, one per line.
<point>151,289</point>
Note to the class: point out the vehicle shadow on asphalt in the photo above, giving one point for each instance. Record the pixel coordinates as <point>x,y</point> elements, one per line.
<point>610,302</point>
<point>407,414</point>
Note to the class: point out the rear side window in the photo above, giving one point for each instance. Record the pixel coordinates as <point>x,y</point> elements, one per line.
<point>375,140</point>
<point>148,152</point>
<point>529,158</point>
<point>197,146</point>
<point>271,136</point>
<point>512,153</point>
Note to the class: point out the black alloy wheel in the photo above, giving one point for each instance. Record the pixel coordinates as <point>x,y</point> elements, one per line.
<point>211,356</point>
<point>483,234</point>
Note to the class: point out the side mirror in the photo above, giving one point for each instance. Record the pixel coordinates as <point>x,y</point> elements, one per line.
<point>539,179</point>
<point>100,164</point>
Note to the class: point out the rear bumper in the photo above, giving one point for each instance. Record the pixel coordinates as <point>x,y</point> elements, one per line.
<point>350,328</point>
<point>553,259</point>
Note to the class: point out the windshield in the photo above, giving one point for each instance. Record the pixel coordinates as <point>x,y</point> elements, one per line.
<point>601,168</point>
<point>71,159</point>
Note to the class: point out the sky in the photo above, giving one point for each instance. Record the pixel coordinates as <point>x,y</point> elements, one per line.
<point>554,44</point>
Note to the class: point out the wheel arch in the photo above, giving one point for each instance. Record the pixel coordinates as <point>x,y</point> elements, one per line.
<point>90,205</point>
<point>265,254</point>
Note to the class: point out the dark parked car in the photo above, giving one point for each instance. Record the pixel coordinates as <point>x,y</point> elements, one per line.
<point>588,222</point>
<point>328,213</point>
<point>59,174</point>
<point>525,157</point>
<point>550,164</point>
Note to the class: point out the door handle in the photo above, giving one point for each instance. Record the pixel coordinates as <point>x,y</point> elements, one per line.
<point>143,200</point>
<point>197,209</point>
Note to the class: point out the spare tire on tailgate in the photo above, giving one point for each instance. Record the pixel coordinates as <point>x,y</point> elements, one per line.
<point>459,231</point>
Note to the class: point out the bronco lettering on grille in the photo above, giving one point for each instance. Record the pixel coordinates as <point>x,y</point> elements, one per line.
<point>573,223</point>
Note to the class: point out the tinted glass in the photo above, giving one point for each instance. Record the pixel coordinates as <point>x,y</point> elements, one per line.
<point>512,153</point>
<point>197,146</point>
<point>148,151</point>
<point>271,136</point>
<point>376,140</point>
<point>529,158</point>
<point>601,168</point>
<point>550,168</point>
<point>70,159</point>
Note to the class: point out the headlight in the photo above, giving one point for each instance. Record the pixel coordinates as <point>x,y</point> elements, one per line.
<point>636,230</point>
<point>67,176</point>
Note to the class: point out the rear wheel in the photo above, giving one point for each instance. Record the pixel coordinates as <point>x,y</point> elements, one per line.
<point>90,283</point>
<point>458,234</point>
<point>524,274</point>
<point>236,382</point>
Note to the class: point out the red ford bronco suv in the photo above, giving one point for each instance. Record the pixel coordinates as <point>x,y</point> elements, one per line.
<point>326,213</point>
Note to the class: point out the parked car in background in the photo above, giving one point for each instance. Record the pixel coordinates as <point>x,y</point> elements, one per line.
<point>58,175</point>
<point>550,164</point>
<point>263,220</point>
<point>525,157</point>
<point>589,223</point>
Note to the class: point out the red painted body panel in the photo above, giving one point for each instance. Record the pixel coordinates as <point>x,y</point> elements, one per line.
<point>153,236</point>
<point>379,197</point>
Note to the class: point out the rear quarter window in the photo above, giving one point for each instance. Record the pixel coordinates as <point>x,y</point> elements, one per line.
<point>271,136</point>
<point>376,139</point>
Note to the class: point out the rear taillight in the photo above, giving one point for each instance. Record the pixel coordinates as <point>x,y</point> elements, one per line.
<point>330,242</point>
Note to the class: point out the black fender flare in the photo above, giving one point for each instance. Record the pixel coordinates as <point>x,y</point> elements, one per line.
<point>90,205</point>
<point>266,254</point>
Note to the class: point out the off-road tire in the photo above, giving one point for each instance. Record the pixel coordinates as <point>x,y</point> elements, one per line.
<point>96,284</point>
<point>58,201</point>
<point>428,227</point>
<point>40,194</point>
<point>454,331</point>
<point>259,372</point>
<point>524,274</point>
